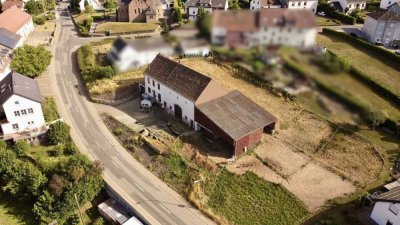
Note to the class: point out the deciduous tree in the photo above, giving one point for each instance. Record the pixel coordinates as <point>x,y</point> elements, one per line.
<point>30,61</point>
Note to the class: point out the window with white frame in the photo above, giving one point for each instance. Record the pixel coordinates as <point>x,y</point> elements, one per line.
<point>16,113</point>
<point>23,112</point>
<point>15,126</point>
<point>394,209</point>
<point>30,110</point>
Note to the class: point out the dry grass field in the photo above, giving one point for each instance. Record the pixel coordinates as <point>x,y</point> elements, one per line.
<point>287,155</point>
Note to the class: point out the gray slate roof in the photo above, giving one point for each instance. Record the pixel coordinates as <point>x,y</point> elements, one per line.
<point>8,38</point>
<point>393,195</point>
<point>236,114</point>
<point>18,84</point>
<point>185,81</point>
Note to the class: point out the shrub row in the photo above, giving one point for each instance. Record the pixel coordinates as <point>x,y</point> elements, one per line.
<point>331,12</point>
<point>344,98</point>
<point>378,51</point>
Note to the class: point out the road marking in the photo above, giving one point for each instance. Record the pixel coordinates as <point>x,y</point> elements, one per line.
<point>84,124</point>
<point>115,164</point>
<point>76,107</point>
<point>137,185</point>
<point>165,209</point>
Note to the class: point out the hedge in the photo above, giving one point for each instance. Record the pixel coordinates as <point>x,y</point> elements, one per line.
<point>344,98</point>
<point>379,51</point>
<point>331,12</point>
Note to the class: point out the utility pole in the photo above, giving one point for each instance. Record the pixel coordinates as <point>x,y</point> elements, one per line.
<point>79,209</point>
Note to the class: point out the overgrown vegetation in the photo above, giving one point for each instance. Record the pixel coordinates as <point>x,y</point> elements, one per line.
<point>334,14</point>
<point>49,108</point>
<point>248,199</point>
<point>31,61</point>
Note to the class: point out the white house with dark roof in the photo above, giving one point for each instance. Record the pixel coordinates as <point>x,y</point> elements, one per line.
<point>349,5</point>
<point>383,26</point>
<point>132,54</point>
<point>205,105</point>
<point>387,205</point>
<point>386,3</point>
<point>21,109</point>
<point>192,6</point>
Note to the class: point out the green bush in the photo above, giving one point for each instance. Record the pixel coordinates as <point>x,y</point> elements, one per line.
<point>332,13</point>
<point>39,20</point>
<point>58,150</point>
<point>332,64</point>
<point>70,148</point>
<point>85,56</point>
<point>30,60</point>
<point>34,7</point>
<point>49,108</point>
<point>118,131</point>
<point>84,26</point>
<point>21,147</point>
<point>91,74</point>
<point>58,133</point>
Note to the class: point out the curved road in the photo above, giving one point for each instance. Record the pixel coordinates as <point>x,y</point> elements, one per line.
<point>153,200</point>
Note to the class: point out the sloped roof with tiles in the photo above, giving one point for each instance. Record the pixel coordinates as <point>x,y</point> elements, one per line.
<point>14,19</point>
<point>185,81</point>
<point>18,84</point>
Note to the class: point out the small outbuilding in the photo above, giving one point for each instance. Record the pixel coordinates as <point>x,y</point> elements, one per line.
<point>235,119</point>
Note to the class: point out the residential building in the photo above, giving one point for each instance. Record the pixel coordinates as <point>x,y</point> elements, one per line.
<point>16,20</point>
<point>386,210</point>
<point>386,3</point>
<point>194,47</point>
<point>383,26</point>
<point>126,55</point>
<point>395,7</point>
<point>290,4</point>
<point>205,105</point>
<point>94,3</point>
<point>21,109</point>
<point>192,6</point>
<point>348,6</point>
<point>8,42</point>
<point>297,28</point>
<point>10,3</point>
<point>140,11</point>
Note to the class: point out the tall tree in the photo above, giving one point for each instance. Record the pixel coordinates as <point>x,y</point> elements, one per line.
<point>30,61</point>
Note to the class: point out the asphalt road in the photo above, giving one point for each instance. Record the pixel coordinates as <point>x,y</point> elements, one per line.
<point>154,200</point>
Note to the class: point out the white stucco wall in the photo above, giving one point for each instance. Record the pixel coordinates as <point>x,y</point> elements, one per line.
<point>130,58</point>
<point>24,121</point>
<point>386,3</point>
<point>311,5</point>
<point>381,213</point>
<point>287,36</point>
<point>25,30</point>
<point>171,98</point>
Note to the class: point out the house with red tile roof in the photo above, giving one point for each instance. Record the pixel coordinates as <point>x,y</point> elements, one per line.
<point>17,21</point>
<point>10,3</point>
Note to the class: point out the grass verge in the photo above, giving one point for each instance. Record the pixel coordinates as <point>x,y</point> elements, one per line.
<point>123,27</point>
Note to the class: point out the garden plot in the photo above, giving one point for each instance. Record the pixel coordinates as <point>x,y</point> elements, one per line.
<point>352,157</point>
<point>304,132</point>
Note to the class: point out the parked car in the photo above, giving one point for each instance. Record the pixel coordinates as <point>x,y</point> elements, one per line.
<point>397,52</point>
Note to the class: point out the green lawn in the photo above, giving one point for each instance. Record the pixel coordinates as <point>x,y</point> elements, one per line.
<point>324,21</point>
<point>14,212</point>
<point>381,71</point>
<point>248,199</point>
<point>121,27</point>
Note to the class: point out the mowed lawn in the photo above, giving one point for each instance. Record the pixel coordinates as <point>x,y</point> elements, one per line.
<point>14,212</point>
<point>121,27</point>
<point>383,72</point>
<point>248,199</point>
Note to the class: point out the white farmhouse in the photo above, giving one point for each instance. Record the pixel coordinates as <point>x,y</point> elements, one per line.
<point>16,20</point>
<point>192,6</point>
<point>178,88</point>
<point>349,5</point>
<point>21,109</point>
<point>387,205</point>
<point>138,52</point>
<point>296,28</point>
